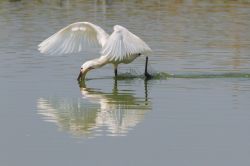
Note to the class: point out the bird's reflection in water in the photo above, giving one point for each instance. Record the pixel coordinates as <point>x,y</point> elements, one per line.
<point>96,113</point>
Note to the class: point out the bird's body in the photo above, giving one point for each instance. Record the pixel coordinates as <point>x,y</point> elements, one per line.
<point>121,46</point>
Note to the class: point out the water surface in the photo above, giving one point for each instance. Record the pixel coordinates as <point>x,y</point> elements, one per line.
<point>194,112</point>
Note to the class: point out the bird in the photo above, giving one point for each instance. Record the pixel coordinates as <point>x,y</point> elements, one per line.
<point>122,46</point>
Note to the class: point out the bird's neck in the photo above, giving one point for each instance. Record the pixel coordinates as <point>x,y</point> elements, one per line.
<point>99,62</point>
<point>95,64</point>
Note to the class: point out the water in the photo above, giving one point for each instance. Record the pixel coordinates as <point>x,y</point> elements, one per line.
<point>195,111</point>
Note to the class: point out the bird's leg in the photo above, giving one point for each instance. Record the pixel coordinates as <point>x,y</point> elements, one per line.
<point>115,70</point>
<point>147,75</point>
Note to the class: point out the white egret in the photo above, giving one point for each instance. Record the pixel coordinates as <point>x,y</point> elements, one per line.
<point>121,46</point>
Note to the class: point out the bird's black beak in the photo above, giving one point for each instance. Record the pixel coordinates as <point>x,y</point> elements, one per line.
<point>79,78</point>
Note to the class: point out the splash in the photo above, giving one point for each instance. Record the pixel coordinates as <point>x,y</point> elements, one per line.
<point>163,75</point>
<point>212,75</point>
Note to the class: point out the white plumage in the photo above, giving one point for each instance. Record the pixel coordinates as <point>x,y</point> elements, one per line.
<point>72,38</point>
<point>121,46</point>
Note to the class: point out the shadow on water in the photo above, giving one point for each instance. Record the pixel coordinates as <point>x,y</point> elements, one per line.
<point>96,113</point>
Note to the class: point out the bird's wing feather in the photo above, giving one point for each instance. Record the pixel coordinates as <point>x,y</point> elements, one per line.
<point>122,43</point>
<point>72,38</point>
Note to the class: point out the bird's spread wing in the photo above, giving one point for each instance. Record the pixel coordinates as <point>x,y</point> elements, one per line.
<point>72,38</point>
<point>122,43</point>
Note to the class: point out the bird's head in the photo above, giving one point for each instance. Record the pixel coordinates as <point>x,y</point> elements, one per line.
<point>85,68</point>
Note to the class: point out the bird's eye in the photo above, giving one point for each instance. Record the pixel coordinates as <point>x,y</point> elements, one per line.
<point>81,68</point>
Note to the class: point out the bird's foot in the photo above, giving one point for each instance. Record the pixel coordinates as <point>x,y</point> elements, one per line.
<point>148,76</point>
